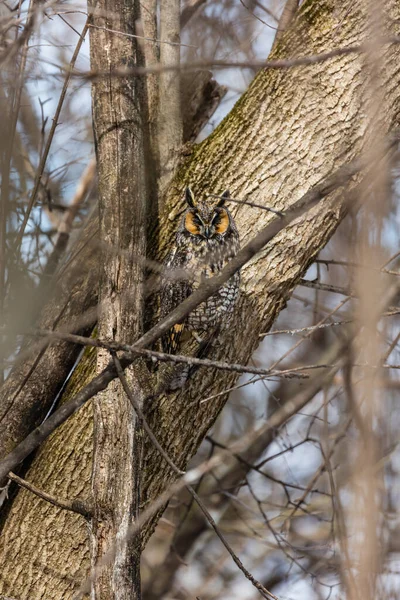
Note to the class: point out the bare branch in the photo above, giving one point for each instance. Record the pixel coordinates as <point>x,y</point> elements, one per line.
<point>65,226</point>
<point>189,10</point>
<point>77,506</point>
<point>50,137</point>
<point>164,357</point>
<point>252,64</point>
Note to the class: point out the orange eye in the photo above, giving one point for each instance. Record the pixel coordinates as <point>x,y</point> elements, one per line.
<point>191,223</point>
<point>221,221</point>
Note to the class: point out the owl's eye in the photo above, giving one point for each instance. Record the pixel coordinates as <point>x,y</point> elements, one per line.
<point>221,221</point>
<point>192,223</point>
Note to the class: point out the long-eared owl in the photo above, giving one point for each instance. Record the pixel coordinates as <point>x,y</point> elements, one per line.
<point>206,239</point>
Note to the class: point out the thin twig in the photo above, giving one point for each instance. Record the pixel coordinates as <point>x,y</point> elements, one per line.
<point>161,356</point>
<point>346,263</point>
<point>326,287</point>
<point>252,204</point>
<point>305,329</point>
<point>76,506</point>
<point>257,17</point>
<point>141,37</point>
<point>49,141</point>
<point>223,64</point>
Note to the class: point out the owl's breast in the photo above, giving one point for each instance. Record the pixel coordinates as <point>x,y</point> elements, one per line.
<point>206,263</point>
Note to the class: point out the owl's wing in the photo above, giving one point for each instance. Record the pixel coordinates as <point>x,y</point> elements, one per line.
<point>174,290</point>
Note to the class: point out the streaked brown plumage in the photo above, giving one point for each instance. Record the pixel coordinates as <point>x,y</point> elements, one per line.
<point>206,239</point>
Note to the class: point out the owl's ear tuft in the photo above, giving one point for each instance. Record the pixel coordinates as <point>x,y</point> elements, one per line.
<point>190,197</point>
<point>224,197</point>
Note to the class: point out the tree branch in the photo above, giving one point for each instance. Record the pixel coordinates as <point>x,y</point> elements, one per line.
<point>120,126</point>
<point>164,357</point>
<point>77,506</point>
<point>286,63</point>
<point>49,141</point>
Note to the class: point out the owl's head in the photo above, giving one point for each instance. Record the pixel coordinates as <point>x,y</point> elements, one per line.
<point>207,222</point>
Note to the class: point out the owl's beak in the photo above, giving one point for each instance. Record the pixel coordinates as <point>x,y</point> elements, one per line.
<point>207,232</point>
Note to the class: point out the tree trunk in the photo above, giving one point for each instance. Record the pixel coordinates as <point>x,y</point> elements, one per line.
<point>290,129</point>
<point>169,106</point>
<point>119,126</point>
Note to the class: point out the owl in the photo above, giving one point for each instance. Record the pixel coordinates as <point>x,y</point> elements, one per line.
<point>206,239</point>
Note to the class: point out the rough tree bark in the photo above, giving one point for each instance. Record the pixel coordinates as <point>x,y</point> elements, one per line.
<point>169,107</point>
<point>119,122</point>
<point>288,131</point>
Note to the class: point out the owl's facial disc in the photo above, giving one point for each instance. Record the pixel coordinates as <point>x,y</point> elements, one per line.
<point>220,221</point>
<point>193,222</point>
<point>217,224</point>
